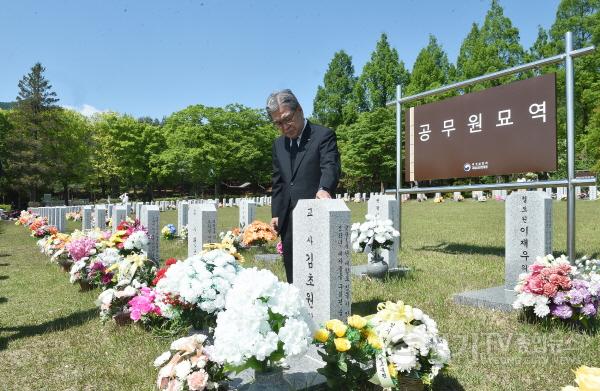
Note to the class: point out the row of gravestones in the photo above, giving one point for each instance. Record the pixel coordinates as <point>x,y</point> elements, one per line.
<point>559,194</point>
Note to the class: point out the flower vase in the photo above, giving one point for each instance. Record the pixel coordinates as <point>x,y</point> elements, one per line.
<point>410,384</point>
<point>122,318</point>
<point>269,379</point>
<point>85,286</point>
<point>377,267</point>
<point>66,266</point>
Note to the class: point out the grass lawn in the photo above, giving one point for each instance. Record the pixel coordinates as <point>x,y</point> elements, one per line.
<point>52,339</point>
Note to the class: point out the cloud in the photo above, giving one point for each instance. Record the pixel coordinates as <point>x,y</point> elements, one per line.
<point>85,109</point>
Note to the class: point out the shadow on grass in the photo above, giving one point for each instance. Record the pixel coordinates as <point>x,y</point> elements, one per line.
<point>3,255</point>
<point>364,308</point>
<point>3,278</point>
<point>445,382</point>
<point>4,264</point>
<point>3,300</point>
<point>463,248</point>
<point>58,324</point>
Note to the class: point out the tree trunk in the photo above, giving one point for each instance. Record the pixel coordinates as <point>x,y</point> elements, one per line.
<point>66,193</point>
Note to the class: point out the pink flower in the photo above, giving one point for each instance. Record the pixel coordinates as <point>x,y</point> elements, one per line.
<point>81,248</point>
<point>550,289</point>
<point>143,304</point>
<point>534,285</point>
<point>197,380</point>
<point>280,248</point>
<point>536,268</point>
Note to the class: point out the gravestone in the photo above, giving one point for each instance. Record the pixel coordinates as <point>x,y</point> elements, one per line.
<point>182,215</point>
<point>202,227</point>
<point>549,192</point>
<point>61,218</point>
<point>593,193</point>
<point>100,217</point>
<point>322,257</point>
<point>150,219</point>
<point>561,193</point>
<point>247,213</point>
<point>528,235</point>
<point>119,214</point>
<point>86,218</point>
<point>385,207</point>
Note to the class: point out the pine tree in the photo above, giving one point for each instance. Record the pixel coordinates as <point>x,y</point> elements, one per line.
<point>431,69</point>
<point>336,92</point>
<point>35,94</point>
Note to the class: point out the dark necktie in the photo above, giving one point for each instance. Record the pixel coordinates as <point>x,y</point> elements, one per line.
<point>293,152</point>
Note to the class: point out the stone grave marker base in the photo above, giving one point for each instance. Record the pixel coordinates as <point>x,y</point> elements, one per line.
<point>301,374</point>
<point>361,271</point>
<point>496,298</point>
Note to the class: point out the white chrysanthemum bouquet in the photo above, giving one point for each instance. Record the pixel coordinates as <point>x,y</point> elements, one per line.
<point>411,344</point>
<point>196,287</point>
<point>264,321</point>
<point>373,235</point>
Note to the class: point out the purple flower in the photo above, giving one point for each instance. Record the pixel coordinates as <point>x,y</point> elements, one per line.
<point>106,278</point>
<point>578,296</point>
<point>559,298</point>
<point>580,284</point>
<point>589,309</point>
<point>97,266</point>
<point>563,311</point>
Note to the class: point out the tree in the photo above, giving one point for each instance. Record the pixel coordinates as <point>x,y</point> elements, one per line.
<point>367,159</point>
<point>382,74</point>
<point>431,69</point>
<point>336,92</point>
<point>35,91</point>
<point>490,49</point>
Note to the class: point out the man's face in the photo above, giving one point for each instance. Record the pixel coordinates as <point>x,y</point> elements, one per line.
<point>290,122</point>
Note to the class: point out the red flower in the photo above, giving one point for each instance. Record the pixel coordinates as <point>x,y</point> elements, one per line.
<point>170,261</point>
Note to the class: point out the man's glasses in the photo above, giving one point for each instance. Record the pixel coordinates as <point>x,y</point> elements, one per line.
<point>286,121</point>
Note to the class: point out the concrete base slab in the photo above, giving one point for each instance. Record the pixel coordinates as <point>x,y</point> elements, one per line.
<point>268,257</point>
<point>361,271</point>
<point>301,374</point>
<point>496,298</point>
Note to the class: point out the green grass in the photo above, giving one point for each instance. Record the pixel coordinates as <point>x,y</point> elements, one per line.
<point>51,337</point>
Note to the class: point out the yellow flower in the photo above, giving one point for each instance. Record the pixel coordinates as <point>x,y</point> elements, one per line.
<point>342,344</point>
<point>587,378</point>
<point>330,323</point>
<point>321,335</point>
<point>357,321</point>
<point>390,311</point>
<point>340,329</point>
<point>374,341</point>
<point>392,370</point>
<point>136,259</point>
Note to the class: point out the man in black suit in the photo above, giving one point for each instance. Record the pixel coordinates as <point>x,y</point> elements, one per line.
<point>306,164</point>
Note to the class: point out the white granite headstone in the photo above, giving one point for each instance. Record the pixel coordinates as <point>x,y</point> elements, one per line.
<point>100,217</point>
<point>182,215</point>
<point>61,218</point>
<point>119,214</point>
<point>528,233</point>
<point>593,193</point>
<point>202,227</point>
<point>150,219</point>
<point>385,207</point>
<point>247,213</point>
<point>322,257</point>
<point>86,218</point>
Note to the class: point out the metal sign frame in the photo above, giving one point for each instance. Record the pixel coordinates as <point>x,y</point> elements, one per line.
<point>570,182</point>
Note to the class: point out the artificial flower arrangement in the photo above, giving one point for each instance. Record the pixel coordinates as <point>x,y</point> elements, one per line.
<point>587,379</point>
<point>373,235</point>
<point>459,198</point>
<point>183,233</point>
<point>258,233</point>
<point>279,247</point>
<point>54,246</point>
<point>348,350</point>
<point>169,232</point>
<point>26,218</point>
<point>39,227</point>
<point>194,290</point>
<point>412,350</point>
<point>189,365</point>
<point>438,200</point>
<point>264,321</point>
<point>233,237</point>
<point>130,236</point>
<point>396,347</point>
<point>481,198</point>
<point>73,216</point>
<point>556,290</point>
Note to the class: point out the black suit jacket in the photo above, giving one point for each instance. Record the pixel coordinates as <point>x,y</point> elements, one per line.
<point>317,165</point>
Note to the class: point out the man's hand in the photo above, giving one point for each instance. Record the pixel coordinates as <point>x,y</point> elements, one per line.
<point>275,224</point>
<point>322,195</point>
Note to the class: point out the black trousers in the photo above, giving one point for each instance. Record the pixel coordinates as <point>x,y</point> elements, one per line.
<point>287,240</point>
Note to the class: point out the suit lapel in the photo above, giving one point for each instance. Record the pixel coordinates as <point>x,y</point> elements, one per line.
<point>304,144</point>
<point>283,154</point>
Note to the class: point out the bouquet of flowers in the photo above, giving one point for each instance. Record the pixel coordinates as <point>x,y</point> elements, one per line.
<point>233,238</point>
<point>26,218</point>
<point>183,233</point>
<point>279,247</point>
<point>587,379</point>
<point>142,306</point>
<point>169,232</point>
<point>438,200</point>
<point>258,234</point>
<point>113,302</point>
<point>189,366</point>
<point>195,289</point>
<point>412,349</point>
<point>39,227</point>
<point>264,321</point>
<point>347,350</point>
<point>555,289</point>
<point>130,237</point>
<point>481,198</point>
<point>54,246</point>
<point>162,271</point>
<point>73,216</point>
<point>373,235</point>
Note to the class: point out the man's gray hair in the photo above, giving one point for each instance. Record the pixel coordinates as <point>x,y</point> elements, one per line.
<point>279,98</point>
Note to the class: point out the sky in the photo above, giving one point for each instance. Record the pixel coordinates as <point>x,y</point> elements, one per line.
<point>152,58</point>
